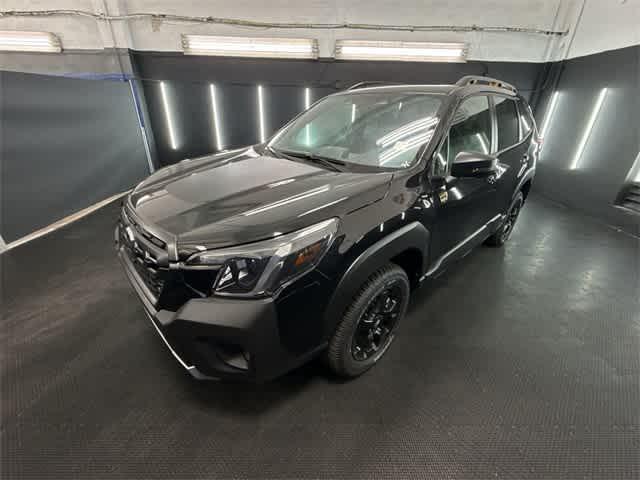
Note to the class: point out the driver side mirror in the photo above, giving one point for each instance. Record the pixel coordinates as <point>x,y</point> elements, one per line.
<point>473,164</point>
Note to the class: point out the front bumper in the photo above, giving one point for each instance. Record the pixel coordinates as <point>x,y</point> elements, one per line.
<point>218,338</point>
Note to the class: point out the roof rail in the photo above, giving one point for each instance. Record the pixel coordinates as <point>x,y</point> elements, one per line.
<point>366,84</point>
<point>478,80</point>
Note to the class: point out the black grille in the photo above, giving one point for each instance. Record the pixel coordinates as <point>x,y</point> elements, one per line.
<point>142,231</point>
<point>629,198</point>
<point>144,262</point>
<point>152,277</point>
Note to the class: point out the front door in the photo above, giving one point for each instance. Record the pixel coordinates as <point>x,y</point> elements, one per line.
<point>463,205</point>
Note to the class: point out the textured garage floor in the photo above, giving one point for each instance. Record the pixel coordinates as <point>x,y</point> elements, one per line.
<point>517,363</point>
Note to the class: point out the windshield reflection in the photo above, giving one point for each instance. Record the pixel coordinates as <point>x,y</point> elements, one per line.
<point>377,129</point>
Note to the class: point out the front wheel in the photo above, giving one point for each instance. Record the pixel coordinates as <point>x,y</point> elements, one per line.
<point>503,233</point>
<point>369,324</point>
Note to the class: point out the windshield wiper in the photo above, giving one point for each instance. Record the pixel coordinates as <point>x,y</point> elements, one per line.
<point>329,162</point>
<point>273,151</point>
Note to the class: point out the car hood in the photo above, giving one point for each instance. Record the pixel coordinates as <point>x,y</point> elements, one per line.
<point>243,196</point>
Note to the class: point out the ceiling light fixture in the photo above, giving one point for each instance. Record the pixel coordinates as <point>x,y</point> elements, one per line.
<point>18,41</point>
<point>250,47</point>
<point>400,51</point>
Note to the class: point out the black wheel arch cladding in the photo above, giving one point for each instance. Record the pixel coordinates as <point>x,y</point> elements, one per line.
<point>413,236</point>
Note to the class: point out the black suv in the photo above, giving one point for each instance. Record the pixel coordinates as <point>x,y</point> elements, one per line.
<point>251,262</point>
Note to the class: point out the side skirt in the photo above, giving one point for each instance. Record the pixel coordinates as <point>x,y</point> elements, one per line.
<point>485,230</point>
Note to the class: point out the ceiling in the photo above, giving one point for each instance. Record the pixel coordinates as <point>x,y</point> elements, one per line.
<point>591,26</point>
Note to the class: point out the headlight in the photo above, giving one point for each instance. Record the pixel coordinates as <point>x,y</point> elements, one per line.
<point>263,267</point>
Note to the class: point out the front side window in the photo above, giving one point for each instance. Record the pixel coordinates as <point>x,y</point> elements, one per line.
<point>507,121</point>
<point>525,118</point>
<point>471,128</point>
<point>378,129</point>
<point>440,164</point>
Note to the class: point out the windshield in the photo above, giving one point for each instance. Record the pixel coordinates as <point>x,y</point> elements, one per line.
<point>378,129</point>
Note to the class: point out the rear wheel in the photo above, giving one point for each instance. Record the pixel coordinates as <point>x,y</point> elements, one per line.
<point>369,324</point>
<point>503,233</point>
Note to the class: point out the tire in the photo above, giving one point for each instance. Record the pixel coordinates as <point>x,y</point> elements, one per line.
<point>503,233</point>
<point>367,319</point>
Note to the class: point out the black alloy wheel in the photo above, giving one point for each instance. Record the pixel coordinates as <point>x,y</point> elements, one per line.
<point>376,323</point>
<point>369,323</point>
<point>505,230</point>
<point>510,221</point>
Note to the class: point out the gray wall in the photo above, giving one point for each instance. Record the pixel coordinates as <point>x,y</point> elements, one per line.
<point>188,77</point>
<point>65,144</point>
<point>68,62</point>
<point>614,142</point>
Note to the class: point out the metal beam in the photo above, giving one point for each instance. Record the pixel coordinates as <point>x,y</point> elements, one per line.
<point>140,116</point>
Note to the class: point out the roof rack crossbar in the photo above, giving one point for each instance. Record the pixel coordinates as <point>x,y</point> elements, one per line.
<point>479,80</point>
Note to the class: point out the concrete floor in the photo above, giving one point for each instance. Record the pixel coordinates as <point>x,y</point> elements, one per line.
<point>535,374</point>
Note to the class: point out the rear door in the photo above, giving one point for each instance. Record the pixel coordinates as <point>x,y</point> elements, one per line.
<point>463,205</point>
<point>511,151</point>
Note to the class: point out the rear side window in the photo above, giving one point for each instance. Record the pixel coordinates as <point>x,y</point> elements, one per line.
<point>525,118</point>
<point>508,122</point>
<point>471,129</point>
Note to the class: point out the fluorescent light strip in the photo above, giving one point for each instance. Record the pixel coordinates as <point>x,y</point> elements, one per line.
<point>323,206</point>
<point>587,133</point>
<point>307,104</point>
<point>483,142</point>
<point>550,110</point>
<point>19,41</point>
<point>307,98</point>
<point>261,113</point>
<point>400,51</point>
<point>167,113</point>
<point>636,166</point>
<point>216,120</point>
<point>405,130</point>
<point>407,145</point>
<point>250,47</point>
<point>286,201</point>
<point>409,127</point>
<point>403,137</point>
